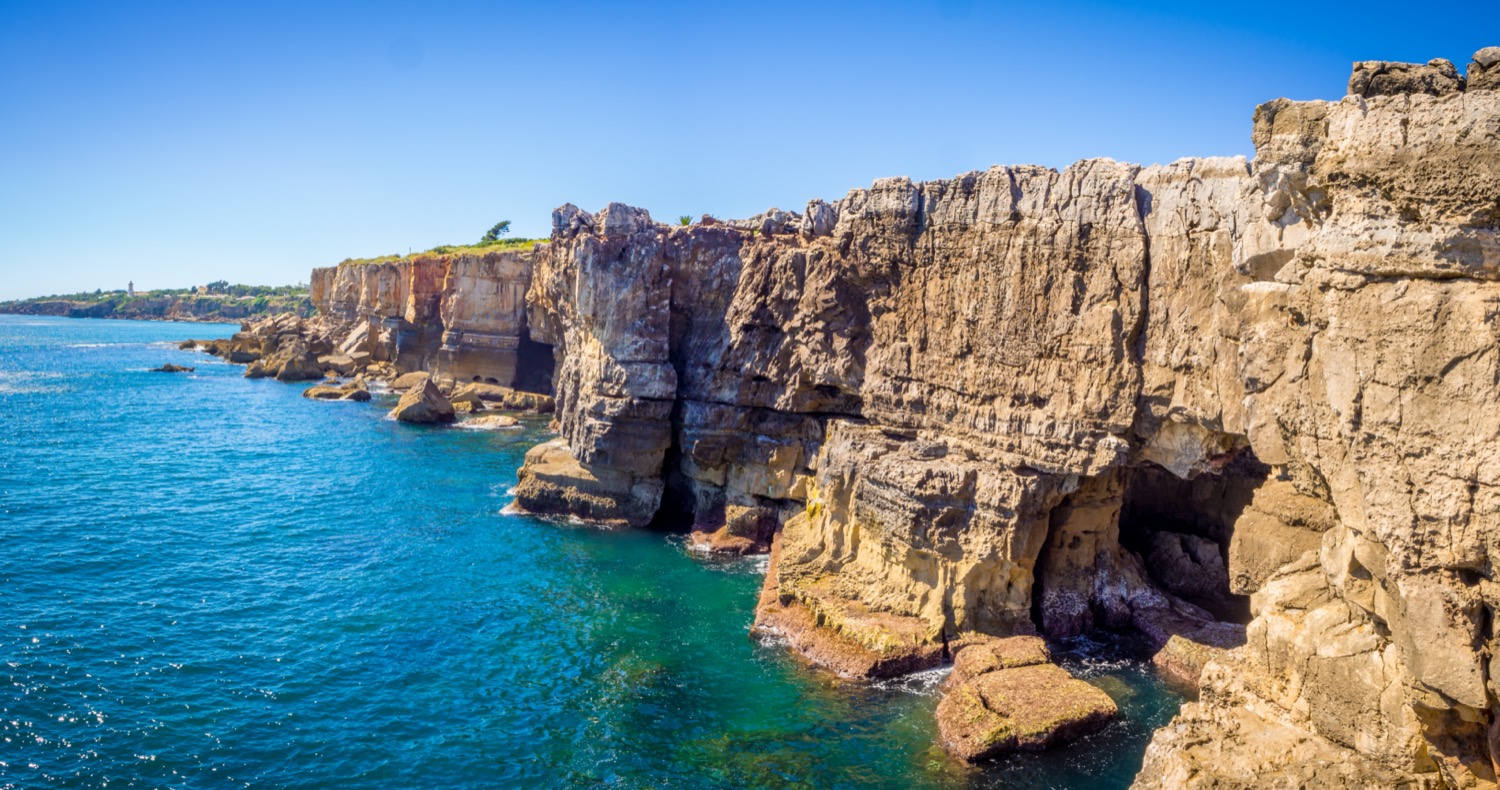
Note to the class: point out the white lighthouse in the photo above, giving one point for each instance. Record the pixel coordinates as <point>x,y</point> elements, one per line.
<point>130,288</point>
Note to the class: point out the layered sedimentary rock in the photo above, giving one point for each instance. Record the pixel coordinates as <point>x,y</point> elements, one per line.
<point>1245,408</point>
<point>460,316</point>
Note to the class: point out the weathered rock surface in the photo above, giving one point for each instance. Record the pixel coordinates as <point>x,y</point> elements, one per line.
<point>351,391</point>
<point>459,316</point>
<point>955,401</point>
<point>1484,70</point>
<point>1248,409</point>
<point>1379,78</point>
<point>406,381</point>
<point>492,421</point>
<point>498,397</point>
<point>1006,695</point>
<point>423,403</point>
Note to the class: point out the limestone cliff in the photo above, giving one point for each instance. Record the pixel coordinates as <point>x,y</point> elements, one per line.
<point>1115,396</point>
<point>460,316</point>
<point>1246,409</point>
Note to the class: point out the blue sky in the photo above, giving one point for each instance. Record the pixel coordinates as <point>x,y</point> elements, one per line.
<point>173,144</point>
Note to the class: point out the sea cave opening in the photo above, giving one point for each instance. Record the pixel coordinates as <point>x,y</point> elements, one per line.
<point>1140,550</point>
<point>535,364</point>
<point>1182,529</point>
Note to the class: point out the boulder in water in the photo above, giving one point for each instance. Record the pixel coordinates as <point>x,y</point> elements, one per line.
<point>423,403</point>
<point>1006,695</point>
<point>297,362</point>
<point>496,396</point>
<point>408,380</point>
<point>353,391</point>
<point>492,421</point>
<point>170,368</point>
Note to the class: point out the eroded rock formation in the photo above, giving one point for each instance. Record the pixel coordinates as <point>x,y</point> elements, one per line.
<point>460,316</point>
<point>1250,410</point>
<point>1006,695</point>
<point>1245,408</point>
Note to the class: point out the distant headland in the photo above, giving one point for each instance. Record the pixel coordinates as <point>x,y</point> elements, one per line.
<point>216,301</point>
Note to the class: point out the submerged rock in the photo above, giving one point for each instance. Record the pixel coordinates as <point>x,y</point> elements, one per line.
<point>170,368</point>
<point>492,421</point>
<point>423,403</point>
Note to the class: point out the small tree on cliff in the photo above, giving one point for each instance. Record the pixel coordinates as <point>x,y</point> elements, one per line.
<point>493,235</point>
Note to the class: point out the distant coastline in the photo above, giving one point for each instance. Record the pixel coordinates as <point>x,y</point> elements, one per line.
<point>215,302</point>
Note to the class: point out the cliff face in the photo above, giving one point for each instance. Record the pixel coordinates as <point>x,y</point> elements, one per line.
<point>1113,396</point>
<point>460,316</point>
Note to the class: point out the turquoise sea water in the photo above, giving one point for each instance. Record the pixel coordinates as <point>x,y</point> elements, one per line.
<point>212,582</point>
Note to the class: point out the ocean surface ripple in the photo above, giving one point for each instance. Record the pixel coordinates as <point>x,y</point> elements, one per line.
<point>212,582</point>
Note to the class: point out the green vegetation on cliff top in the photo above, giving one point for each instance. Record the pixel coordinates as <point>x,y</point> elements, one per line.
<point>490,242</point>
<point>499,245</point>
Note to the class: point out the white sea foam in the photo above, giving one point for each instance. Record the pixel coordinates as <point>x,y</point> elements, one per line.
<point>924,683</point>
<point>471,426</point>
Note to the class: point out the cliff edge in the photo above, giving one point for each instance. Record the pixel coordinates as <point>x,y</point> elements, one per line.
<point>1248,409</point>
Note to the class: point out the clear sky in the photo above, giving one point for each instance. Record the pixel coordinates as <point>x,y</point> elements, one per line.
<point>173,144</point>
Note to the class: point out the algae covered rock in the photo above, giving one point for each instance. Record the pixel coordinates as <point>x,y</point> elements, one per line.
<point>1010,698</point>
<point>423,403</point>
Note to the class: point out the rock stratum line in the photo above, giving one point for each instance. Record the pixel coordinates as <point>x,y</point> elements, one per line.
<point>1248,409</point>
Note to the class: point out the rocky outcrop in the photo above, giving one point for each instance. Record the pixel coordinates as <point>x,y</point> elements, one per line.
<point>1244,408</point>
<point>460,316</point>
<point>1006,695</point>
<point>1380,78</point>
<point>424,403</point>
<point>960,407</point>
<point>350,391</point>
<point>1484,70</point>
<point>498,397</point>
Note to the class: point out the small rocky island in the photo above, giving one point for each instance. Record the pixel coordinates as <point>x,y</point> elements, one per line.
<point>1246,410</point>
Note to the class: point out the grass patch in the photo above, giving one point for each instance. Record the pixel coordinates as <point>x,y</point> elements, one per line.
<point>498,245</point>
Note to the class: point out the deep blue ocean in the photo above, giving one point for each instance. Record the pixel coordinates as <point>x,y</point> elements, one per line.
<point>210,582</point>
